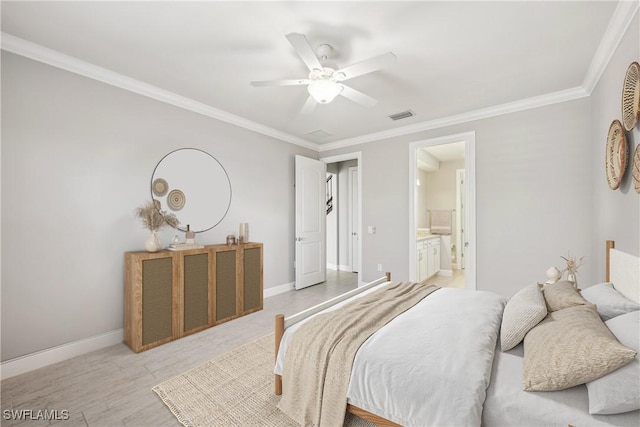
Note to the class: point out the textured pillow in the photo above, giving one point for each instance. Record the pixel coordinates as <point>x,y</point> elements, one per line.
<point>523,311</point>
<point>570,347</point>
<point>609,301</point>
<point>562,295</point>
<point>619,391</point>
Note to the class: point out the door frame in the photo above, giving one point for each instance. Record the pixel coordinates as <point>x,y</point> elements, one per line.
<point>460,176</point>
<point>351,171</point>
<point>357,155</point>
<point>470,197</point>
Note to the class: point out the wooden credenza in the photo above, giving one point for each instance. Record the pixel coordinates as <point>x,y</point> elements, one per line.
<point>169,294</point>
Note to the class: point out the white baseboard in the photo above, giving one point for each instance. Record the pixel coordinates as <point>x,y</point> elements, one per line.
<point>446,273</point>
<point>40,359</point>
<point>277,290</point>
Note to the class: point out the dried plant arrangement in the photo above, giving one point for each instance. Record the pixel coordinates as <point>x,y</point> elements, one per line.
<point>153,218</point>
<point>572,264</point>
<point>572,268</point>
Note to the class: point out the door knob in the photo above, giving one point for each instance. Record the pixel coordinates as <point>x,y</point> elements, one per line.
<point>298,239</point>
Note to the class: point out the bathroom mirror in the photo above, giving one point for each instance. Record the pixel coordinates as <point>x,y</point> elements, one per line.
<point>193,185</point>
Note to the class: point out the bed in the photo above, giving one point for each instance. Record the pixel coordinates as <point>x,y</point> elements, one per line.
<point>452,370</point>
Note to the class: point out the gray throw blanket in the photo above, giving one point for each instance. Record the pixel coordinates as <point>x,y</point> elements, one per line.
<point>319,356</point>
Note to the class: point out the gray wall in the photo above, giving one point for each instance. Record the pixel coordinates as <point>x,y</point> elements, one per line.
<point>541,190</point>
<point>533,195</point>
<point>77,158</point>
<point>616,213</point>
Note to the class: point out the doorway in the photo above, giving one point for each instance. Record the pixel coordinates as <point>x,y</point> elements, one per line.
<point>344,245</point>
<point>456,236</point>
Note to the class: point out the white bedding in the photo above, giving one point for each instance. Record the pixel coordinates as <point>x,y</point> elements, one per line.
<point>453,377</point>
<point>508,405</point>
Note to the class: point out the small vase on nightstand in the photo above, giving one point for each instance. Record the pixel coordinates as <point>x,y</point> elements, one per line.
<point>153,243</point>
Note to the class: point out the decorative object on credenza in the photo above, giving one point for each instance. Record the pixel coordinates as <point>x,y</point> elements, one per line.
<point>616,154</point>
<point>160,187</point>
<point>184,246</point>
<point>231,240</point>
<point>176,200</point>
<point>243,235</point>
<point>631,97</point>
<point>553,275</point>
<point>572,268</point>
<point>189,236</point>
<point>635,171</point>
<point>153,219</point>
<point>197,185</point>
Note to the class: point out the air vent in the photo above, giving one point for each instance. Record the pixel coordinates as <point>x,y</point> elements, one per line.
<point>318,134</point>
<point>402,115</point>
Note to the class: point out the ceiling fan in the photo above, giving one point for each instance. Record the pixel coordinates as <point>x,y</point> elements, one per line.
<point>324,83</point>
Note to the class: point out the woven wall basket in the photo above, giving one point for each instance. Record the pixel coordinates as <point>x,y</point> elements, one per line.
<point>616,154</point>
<point>635,171</point>
<point>631,97</point>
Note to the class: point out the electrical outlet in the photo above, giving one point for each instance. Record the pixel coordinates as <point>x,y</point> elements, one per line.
<point>379,267</point>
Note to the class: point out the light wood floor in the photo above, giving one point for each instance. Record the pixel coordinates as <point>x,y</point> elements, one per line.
<point>112,386</point>
<point>454,281</point>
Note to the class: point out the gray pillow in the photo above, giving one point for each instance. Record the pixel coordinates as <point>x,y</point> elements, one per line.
<point>571,347</point>
<point>609,301</point>
<point>523,311</point>
<point>561,295</point>
<point>619,391</point>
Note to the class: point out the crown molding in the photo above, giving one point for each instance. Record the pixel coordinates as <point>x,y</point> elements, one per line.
<point>622,16</point>
<point>34,51</point>
<point>483,113</point>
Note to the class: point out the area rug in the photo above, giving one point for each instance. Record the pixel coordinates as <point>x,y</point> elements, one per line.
<point>234,389</point>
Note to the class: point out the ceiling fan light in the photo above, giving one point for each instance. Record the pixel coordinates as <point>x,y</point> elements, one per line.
<point>324,91</point>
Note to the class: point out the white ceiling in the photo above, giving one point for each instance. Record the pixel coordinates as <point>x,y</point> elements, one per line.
<point>453,57</point>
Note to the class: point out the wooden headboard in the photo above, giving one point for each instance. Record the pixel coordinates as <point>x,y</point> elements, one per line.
<point>623,270</point>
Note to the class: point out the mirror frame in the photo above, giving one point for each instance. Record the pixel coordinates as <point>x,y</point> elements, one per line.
<point>184,222</point>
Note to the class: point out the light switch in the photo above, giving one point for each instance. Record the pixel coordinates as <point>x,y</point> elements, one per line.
<point>371,229</point>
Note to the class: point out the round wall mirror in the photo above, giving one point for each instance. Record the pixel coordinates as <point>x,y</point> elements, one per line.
<point>193,185</point>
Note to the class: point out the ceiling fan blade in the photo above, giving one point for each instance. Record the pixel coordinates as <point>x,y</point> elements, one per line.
<point>358,97</point>
<point>367,66</point>
<point>309,106</point>
<point>304,50</point>
<point>292,82</point>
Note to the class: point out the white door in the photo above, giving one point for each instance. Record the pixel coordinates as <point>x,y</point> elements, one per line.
<point>354,225</point>
<point>310,264</point>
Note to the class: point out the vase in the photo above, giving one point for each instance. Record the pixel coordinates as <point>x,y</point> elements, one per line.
<point>153,243</point>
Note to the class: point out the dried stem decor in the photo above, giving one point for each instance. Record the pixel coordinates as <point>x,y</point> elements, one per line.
<point>153,218</point>
<point>572,268</point>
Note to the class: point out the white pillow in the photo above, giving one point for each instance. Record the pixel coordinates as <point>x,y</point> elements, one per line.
<point>609,301</point>
<point>619,391</point>
<point>523,311</point>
